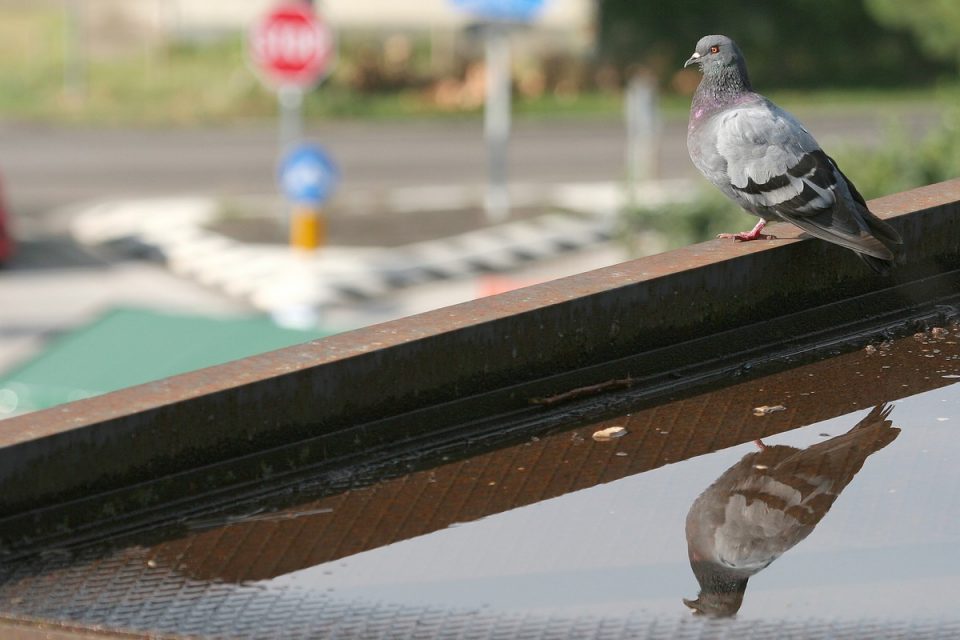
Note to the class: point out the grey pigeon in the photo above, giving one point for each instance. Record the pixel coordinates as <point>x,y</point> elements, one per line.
<point>763,159</point>
<point>768,502</point>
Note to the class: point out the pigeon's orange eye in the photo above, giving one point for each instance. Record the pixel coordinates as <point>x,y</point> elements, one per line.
<point>714,49</point>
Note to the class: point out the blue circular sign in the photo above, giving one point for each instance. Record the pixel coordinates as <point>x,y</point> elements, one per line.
<point>505,10</point>
<point>308,176</point>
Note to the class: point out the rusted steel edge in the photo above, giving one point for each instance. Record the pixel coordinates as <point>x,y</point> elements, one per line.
<point>441,356</point>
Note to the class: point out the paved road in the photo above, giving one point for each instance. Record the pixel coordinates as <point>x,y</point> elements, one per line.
<point>47,167</point>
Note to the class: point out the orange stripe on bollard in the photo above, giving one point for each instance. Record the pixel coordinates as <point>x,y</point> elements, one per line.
<point>308,228</point>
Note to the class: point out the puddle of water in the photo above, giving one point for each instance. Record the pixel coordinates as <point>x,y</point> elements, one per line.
<point>620,548</point>
<point>857,524</point>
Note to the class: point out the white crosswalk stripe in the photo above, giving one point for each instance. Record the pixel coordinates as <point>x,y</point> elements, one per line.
<point>174,229</point>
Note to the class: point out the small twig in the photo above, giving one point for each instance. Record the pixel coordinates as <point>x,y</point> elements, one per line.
<point>589,390</point>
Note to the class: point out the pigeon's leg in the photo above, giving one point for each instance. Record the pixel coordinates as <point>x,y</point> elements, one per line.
<point>759,444</point>
<point>753,234</point>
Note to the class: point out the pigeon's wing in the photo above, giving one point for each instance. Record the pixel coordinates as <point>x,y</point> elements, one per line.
<point>746,519</point>
<point>764,515</point>
<point>776,168</point>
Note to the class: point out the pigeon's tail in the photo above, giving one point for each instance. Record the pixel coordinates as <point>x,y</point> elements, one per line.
<point>853,227</point>
<point>887,236</point>
<point>879,265</point>
<point>847,452</point>
<point>881,230</point>
<point>878,418</point>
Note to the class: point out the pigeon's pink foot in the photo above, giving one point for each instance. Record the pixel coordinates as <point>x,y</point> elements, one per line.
<point>746,236</point>
<point>759,444</point>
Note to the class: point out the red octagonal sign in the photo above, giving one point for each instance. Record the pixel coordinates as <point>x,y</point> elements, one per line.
<point>291,46</point>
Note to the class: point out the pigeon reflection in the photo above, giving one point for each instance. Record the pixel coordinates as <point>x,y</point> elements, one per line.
<point>768,502</point>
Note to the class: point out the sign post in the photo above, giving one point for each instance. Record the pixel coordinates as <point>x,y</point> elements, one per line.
<point>293,49</point>
<point>496,121</point>
<point>498,16</point>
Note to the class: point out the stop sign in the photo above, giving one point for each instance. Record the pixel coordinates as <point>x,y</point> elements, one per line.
<point>291,46</point>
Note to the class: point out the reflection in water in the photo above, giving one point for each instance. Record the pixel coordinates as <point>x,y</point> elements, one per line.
<point>768,502</point>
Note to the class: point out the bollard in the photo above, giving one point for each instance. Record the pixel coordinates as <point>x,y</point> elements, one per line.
<point>308,228</point>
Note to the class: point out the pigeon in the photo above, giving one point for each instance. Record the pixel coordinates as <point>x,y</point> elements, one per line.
<point>763,159</point>
<point>768,502</point>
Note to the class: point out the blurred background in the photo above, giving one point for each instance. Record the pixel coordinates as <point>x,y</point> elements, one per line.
<point>143,232</point>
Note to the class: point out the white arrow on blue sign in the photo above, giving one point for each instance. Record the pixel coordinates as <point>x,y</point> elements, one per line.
<point>505,10</point>
<point>308,176</point>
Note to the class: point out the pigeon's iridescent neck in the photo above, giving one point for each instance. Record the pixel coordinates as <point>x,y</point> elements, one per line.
<point>704,105</point>
<point>719,89</point>
<point>712,97</point>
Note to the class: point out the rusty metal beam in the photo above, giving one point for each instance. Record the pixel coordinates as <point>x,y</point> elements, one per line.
<point>12,629</point>
<point>443,356</point>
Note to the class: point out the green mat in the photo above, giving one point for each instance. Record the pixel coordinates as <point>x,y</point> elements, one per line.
<point>125,347</point>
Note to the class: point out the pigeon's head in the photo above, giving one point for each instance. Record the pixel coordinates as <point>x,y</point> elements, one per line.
<point>721,589</point>
<point>716,605</point>
<point>717,55</point>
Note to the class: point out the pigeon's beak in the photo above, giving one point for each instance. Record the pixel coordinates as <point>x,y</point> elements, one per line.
<point>694,59</point>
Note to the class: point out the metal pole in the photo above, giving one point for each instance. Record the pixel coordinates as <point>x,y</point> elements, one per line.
<point>74,62</point>
<point>291,116</point>
<point>301,225</point>
<point>497,121</point>
<point>642,132</point>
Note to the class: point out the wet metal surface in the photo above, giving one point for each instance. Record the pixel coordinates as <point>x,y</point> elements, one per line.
<point>552,534</point>
<point>566,331</point>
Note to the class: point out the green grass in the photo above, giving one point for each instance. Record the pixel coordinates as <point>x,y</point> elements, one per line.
<point>176,84</point>
<point>196,84</point>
